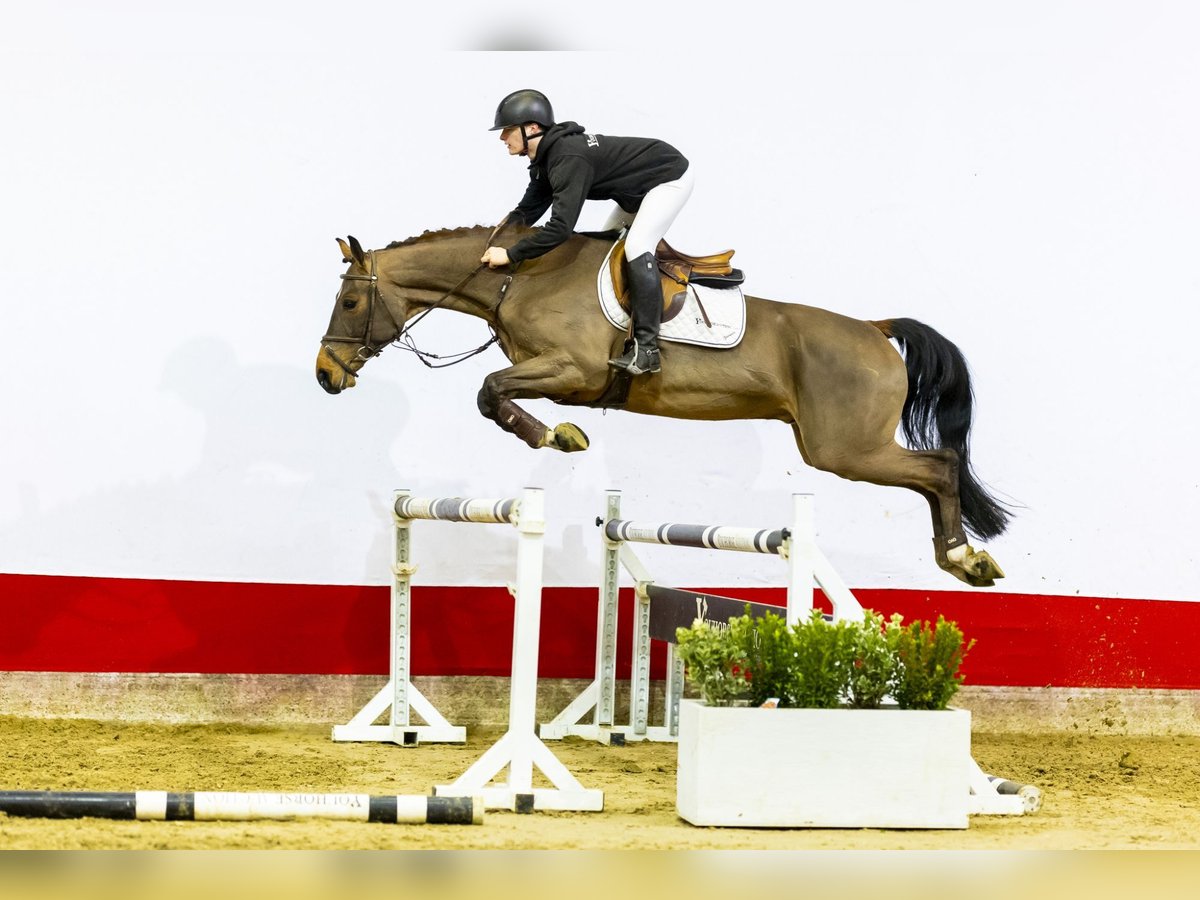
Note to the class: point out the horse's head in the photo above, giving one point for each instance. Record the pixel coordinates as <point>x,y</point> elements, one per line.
<point>361,325</point>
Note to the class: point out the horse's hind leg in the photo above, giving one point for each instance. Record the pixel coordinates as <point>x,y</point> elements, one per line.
<point>951,549</point>
<point>934,475</point>
<point>534,378</point>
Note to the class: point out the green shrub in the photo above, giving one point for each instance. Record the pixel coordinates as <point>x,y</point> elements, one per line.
<point>820,665</point>
<point>713,662</point>
<point>766,648</point>
<point>927,661</point>
<point>873,667</point>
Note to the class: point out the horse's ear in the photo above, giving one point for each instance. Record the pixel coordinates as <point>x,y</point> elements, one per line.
<point>357,250</point>
<point>346,255</point>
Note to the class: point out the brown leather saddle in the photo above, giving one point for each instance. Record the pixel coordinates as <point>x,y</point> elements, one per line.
<point>677,270</point>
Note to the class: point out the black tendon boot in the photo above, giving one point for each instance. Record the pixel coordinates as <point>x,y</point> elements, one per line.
<point>646,302</point>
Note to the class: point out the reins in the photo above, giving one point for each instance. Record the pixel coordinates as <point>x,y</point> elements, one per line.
<point>404,340</point>
<point>401,337</point>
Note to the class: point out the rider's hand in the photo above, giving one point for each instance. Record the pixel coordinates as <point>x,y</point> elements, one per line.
<point>495,257</point>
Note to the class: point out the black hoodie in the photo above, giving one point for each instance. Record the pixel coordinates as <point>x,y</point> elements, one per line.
<point>571,167</point>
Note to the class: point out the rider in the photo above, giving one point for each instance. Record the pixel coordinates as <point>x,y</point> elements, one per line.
<point>649,180</point>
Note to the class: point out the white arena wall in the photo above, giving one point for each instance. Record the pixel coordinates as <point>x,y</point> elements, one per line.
<point>1021,176</point>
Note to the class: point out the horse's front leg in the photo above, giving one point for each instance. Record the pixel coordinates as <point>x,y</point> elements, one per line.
<point>539,377</point>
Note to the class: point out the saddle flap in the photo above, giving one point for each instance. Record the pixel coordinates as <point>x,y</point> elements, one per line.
<point>674,289</point>
<point>616,269</point>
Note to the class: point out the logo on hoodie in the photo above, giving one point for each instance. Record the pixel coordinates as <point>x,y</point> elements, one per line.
<point>593,140</point>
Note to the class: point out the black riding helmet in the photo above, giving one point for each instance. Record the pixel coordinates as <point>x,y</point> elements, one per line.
<point>524,106</point>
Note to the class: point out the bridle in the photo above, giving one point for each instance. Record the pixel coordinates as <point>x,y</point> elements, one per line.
<point>400,335</point>
<point>365,349</point>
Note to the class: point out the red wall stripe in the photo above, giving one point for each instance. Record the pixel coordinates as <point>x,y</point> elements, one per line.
<point>79,624</point>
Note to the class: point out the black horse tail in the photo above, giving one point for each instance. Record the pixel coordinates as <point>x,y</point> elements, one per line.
<point>937,415</point>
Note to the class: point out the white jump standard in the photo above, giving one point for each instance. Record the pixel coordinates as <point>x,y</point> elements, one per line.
<point>400,696</point>
<point>658,610</point>
<point>519,750</point>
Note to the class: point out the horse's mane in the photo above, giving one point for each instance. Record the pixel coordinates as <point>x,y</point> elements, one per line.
<point>434,235</point>
<point>466,229</point>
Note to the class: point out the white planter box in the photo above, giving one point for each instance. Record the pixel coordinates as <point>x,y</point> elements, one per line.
<point>823,768</point>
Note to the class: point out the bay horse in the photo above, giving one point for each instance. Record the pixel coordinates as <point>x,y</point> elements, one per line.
<point>838,382</point>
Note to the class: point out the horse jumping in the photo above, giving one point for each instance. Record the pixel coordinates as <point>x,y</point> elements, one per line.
<point>838,382</point>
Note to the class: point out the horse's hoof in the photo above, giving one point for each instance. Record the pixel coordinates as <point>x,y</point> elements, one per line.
<point>568,438</point>
<point>977,570</point>
<point>968,577</point>
<point>976,581</point>
<point>964,562</point>
<point>981,565</point>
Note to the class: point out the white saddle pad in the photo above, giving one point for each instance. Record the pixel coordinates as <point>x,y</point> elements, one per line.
<point>726,308</point>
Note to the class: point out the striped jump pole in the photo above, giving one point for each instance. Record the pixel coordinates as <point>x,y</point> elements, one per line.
<point>455,509</point>
<point>204,806</point>
<point>658,610</point>
<point>1030,795</point>
<point>705,537</point>
<point>806,563</point>
<point>991,795</point>
<point>997,796</point>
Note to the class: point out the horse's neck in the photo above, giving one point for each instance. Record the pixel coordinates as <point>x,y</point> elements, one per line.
<point>441,269</point>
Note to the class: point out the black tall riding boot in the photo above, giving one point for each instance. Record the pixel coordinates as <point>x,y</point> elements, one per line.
<point>646,303</point>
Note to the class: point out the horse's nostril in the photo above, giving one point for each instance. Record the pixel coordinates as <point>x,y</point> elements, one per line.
<point>322,378</point>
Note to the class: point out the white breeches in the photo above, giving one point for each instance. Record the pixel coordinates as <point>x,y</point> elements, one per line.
<point>658,211</point>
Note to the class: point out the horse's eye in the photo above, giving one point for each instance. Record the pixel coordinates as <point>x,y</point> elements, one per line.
<point>349,303</point>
